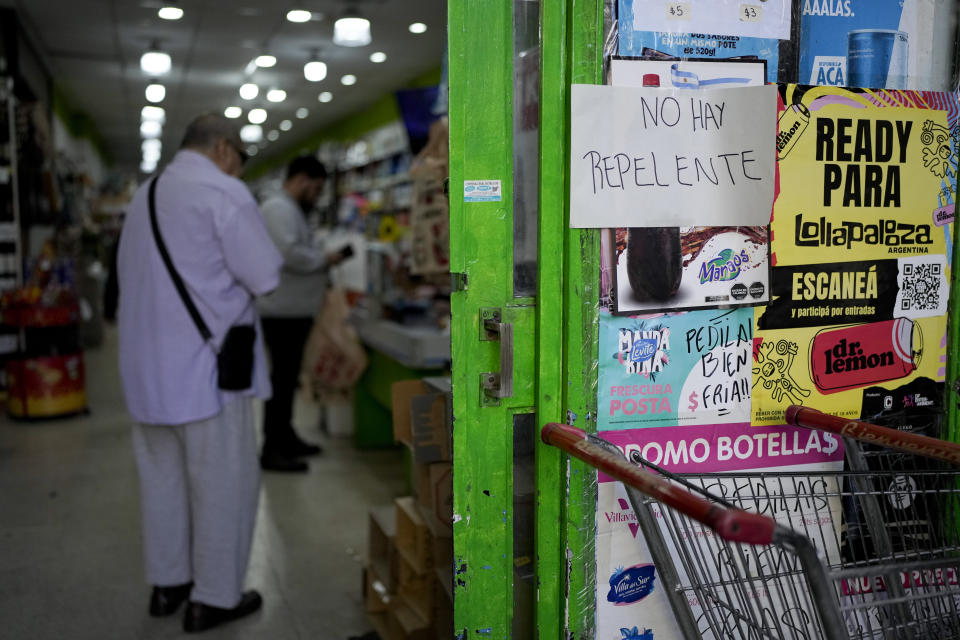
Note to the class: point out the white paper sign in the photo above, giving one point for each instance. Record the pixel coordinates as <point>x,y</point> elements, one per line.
<point>642,157</point>
<point>756,18</point>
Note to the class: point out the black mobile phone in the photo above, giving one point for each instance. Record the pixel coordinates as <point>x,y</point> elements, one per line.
<point>346,252</point>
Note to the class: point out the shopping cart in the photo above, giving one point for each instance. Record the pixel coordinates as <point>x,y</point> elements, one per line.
<point>867,551</point>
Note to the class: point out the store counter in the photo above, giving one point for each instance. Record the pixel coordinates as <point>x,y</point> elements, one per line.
<point>397,352</point>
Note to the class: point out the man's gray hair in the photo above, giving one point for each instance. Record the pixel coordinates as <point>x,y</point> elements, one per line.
<point>205,130</point>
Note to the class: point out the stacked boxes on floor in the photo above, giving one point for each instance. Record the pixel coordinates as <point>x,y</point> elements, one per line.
<point>408,582</point>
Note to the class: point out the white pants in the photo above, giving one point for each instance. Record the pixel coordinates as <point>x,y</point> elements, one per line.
<point>199,486</point>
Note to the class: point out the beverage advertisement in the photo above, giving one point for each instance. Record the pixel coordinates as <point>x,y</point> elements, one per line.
<point>630,597</point>
<point>674,369</point>
<point>896,44</point>
<point>868,178</point>
<point>690,267</point>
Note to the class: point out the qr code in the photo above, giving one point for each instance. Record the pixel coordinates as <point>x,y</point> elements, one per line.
<point>921,286</point>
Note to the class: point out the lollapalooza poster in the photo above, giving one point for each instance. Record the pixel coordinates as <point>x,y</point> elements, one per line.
<point>862,231</point>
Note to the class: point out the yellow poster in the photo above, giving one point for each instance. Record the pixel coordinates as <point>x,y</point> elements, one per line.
<point>861,243</point>
<point>863,174</point>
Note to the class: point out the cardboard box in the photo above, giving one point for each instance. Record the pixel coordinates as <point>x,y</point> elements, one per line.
<point>413,536</point>
<point>415,589</point>
<point>381,544</point>
<point>376,596</point>
<point>430,425</point>
<point>442,611</point>
<point>404,624</point>
<point>400,394</point>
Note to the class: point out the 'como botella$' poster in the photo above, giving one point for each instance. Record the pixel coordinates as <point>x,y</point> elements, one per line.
<point>861,234</point>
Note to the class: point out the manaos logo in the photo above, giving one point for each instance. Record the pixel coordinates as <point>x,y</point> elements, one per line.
<point>643,351</point>
<point>631,585</point>
<point>726,266</point>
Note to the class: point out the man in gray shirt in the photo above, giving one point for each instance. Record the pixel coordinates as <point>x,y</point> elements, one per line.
<point>289,311</point>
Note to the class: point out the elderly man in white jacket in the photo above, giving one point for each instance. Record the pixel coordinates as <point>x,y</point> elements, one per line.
<point>289,311</point>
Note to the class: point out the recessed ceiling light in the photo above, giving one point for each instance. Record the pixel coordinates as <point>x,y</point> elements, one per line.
<point>286,125</point>
<point>170,13</point>
<point>351,31</point>
<point>249,91</point>
<point>377,57</point>
<point>151,112</point>
<point>315,71</point>
<point>251,133</point>
<point>417,27</point>
<point>276,95</point>
<point>257,116</point>
<point>252,150</point>
<point>303,112</point>
<point>266,61</point>
<point>155,63</point>
<point>148,167</point>
<point>326,96</point>
<point>232,112</point>
<point>299,15</point>
<point>151,155</point>
<point>272,135</point>
<point>151,143</point>
<point>348,80</point>
<point>150,129</point>
<point>155,92</point>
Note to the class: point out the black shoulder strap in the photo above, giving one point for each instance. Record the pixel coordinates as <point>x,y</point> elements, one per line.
<point>177,280</point>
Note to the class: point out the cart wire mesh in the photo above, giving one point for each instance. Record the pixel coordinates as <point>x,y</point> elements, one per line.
<point>870,551</point>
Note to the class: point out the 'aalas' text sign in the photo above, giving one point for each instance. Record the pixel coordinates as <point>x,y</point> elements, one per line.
<point>646,157</point>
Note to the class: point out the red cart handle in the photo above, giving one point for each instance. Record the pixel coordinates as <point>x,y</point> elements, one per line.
<point>733,525</point>
<point>873,434</point>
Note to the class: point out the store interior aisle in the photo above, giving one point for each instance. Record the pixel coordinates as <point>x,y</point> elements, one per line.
<point>70,558</point>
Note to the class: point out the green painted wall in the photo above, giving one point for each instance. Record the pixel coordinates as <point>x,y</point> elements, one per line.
<point>381,112</point>
<point>79,125</point>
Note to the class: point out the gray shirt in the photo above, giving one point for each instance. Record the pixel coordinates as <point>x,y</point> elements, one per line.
<point>303,278</point>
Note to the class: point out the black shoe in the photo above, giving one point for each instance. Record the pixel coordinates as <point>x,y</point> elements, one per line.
<point>200,617</point>
<point>274,461</point>
<point>297,448</point>
<point>166,600</point>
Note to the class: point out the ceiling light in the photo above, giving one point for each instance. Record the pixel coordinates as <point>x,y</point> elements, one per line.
<point>276,95</point>
<point>286,125</point>
<point>351,31</point>
<point>249,91</point>
<point>155,92</point>
<point>232,112</point>
<point>152,143</point>
<point>151,112</point>
<point>303,112</point>
<point>417,27</point>
<point>272,135</point>
<point>257,116</point>
<point>155,62</point>
<point>151,155</point>
<point>377,57</point>
<point>251,133</point>
<point>299,15</point>
<point>348,80</point>
<point>326,96</point>
<point>315,71</point>
<point>266,61</point>
<point>148,167</point>
<point>150,129</point>
<point>170,13</point>
<point>252,150</point>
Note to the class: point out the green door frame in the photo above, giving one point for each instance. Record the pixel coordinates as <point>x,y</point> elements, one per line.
<point>555,335</point>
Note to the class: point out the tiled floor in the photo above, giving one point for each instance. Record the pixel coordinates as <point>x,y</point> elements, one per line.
<point>70,563</point>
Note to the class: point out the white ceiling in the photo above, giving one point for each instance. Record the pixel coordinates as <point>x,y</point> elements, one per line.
<point>92,49</point>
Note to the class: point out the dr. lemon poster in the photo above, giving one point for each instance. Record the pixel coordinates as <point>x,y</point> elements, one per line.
<point>861,276</point>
